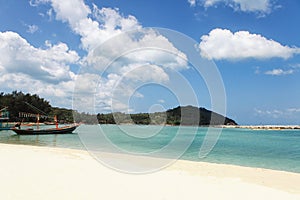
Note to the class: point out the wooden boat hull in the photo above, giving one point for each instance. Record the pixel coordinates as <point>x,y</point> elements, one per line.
<point>62,130</point>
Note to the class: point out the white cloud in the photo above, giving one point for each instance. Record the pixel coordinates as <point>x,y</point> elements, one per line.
<point>279,72</point>
<point>153,58</point>
<point>96,26</point>
<point>70,11</point>
<point>145,72</point>
<point>108,22</point>
<point>35,70</point>
<point>110,19</point>
<point>256,6</point>
<point>50,65</point>
<point>32,28</point>
<point>134,68</point>
<point>253,6</point>
<point>192,2</point>
<point>58,93</point>
<point>223,44</point>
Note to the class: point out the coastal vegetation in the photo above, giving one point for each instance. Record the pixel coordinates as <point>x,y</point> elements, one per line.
<point>18,102</point>
<point>29,106</point>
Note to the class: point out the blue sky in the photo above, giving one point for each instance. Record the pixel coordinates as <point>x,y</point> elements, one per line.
<point>254,44</point>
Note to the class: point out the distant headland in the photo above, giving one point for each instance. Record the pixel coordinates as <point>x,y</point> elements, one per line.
<point>181,115</point>
<point>265,127</point>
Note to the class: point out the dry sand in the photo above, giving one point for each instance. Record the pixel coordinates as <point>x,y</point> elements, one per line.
<point>28,172</point>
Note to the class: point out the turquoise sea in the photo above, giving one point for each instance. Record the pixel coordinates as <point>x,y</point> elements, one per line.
<point>271,149</point>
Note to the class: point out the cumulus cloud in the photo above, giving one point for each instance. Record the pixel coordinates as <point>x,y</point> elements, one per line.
<point>142,54</point>
<point>47,70</point>
<point>36,70</point>
<point>150,57</point>
<point>258,6</point>
<point>223,44</point>
<point>106,94</point>
<point>50,65</point>
<point>93,25</point>
<point>279,72</point>
<point>146,72</point>
<point>96,26</point>
<point>58,94</point>
<point>70,11</point>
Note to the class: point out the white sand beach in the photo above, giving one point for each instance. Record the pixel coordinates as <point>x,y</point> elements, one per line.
<point>28,172</point>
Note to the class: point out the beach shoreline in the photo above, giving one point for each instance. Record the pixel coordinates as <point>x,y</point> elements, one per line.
<point>32,172</point>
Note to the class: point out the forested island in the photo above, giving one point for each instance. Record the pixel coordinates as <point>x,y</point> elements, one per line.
<point>181,115</point>
<point>18,102</point>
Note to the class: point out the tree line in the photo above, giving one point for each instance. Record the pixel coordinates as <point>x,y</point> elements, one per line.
<point>182,115</point>
<point>23,107</point>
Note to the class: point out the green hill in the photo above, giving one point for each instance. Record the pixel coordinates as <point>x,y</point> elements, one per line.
<point>190,115</point>
<point>187,115</point>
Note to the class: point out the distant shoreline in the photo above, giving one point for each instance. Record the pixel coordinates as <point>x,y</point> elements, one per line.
<point>251,127</point>
<point>264,127</point>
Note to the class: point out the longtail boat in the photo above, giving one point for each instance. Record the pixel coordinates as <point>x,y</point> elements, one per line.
<point>38,131</point>
<point>60,130</point>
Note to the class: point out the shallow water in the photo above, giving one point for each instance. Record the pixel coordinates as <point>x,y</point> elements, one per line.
<point>270,149</point>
